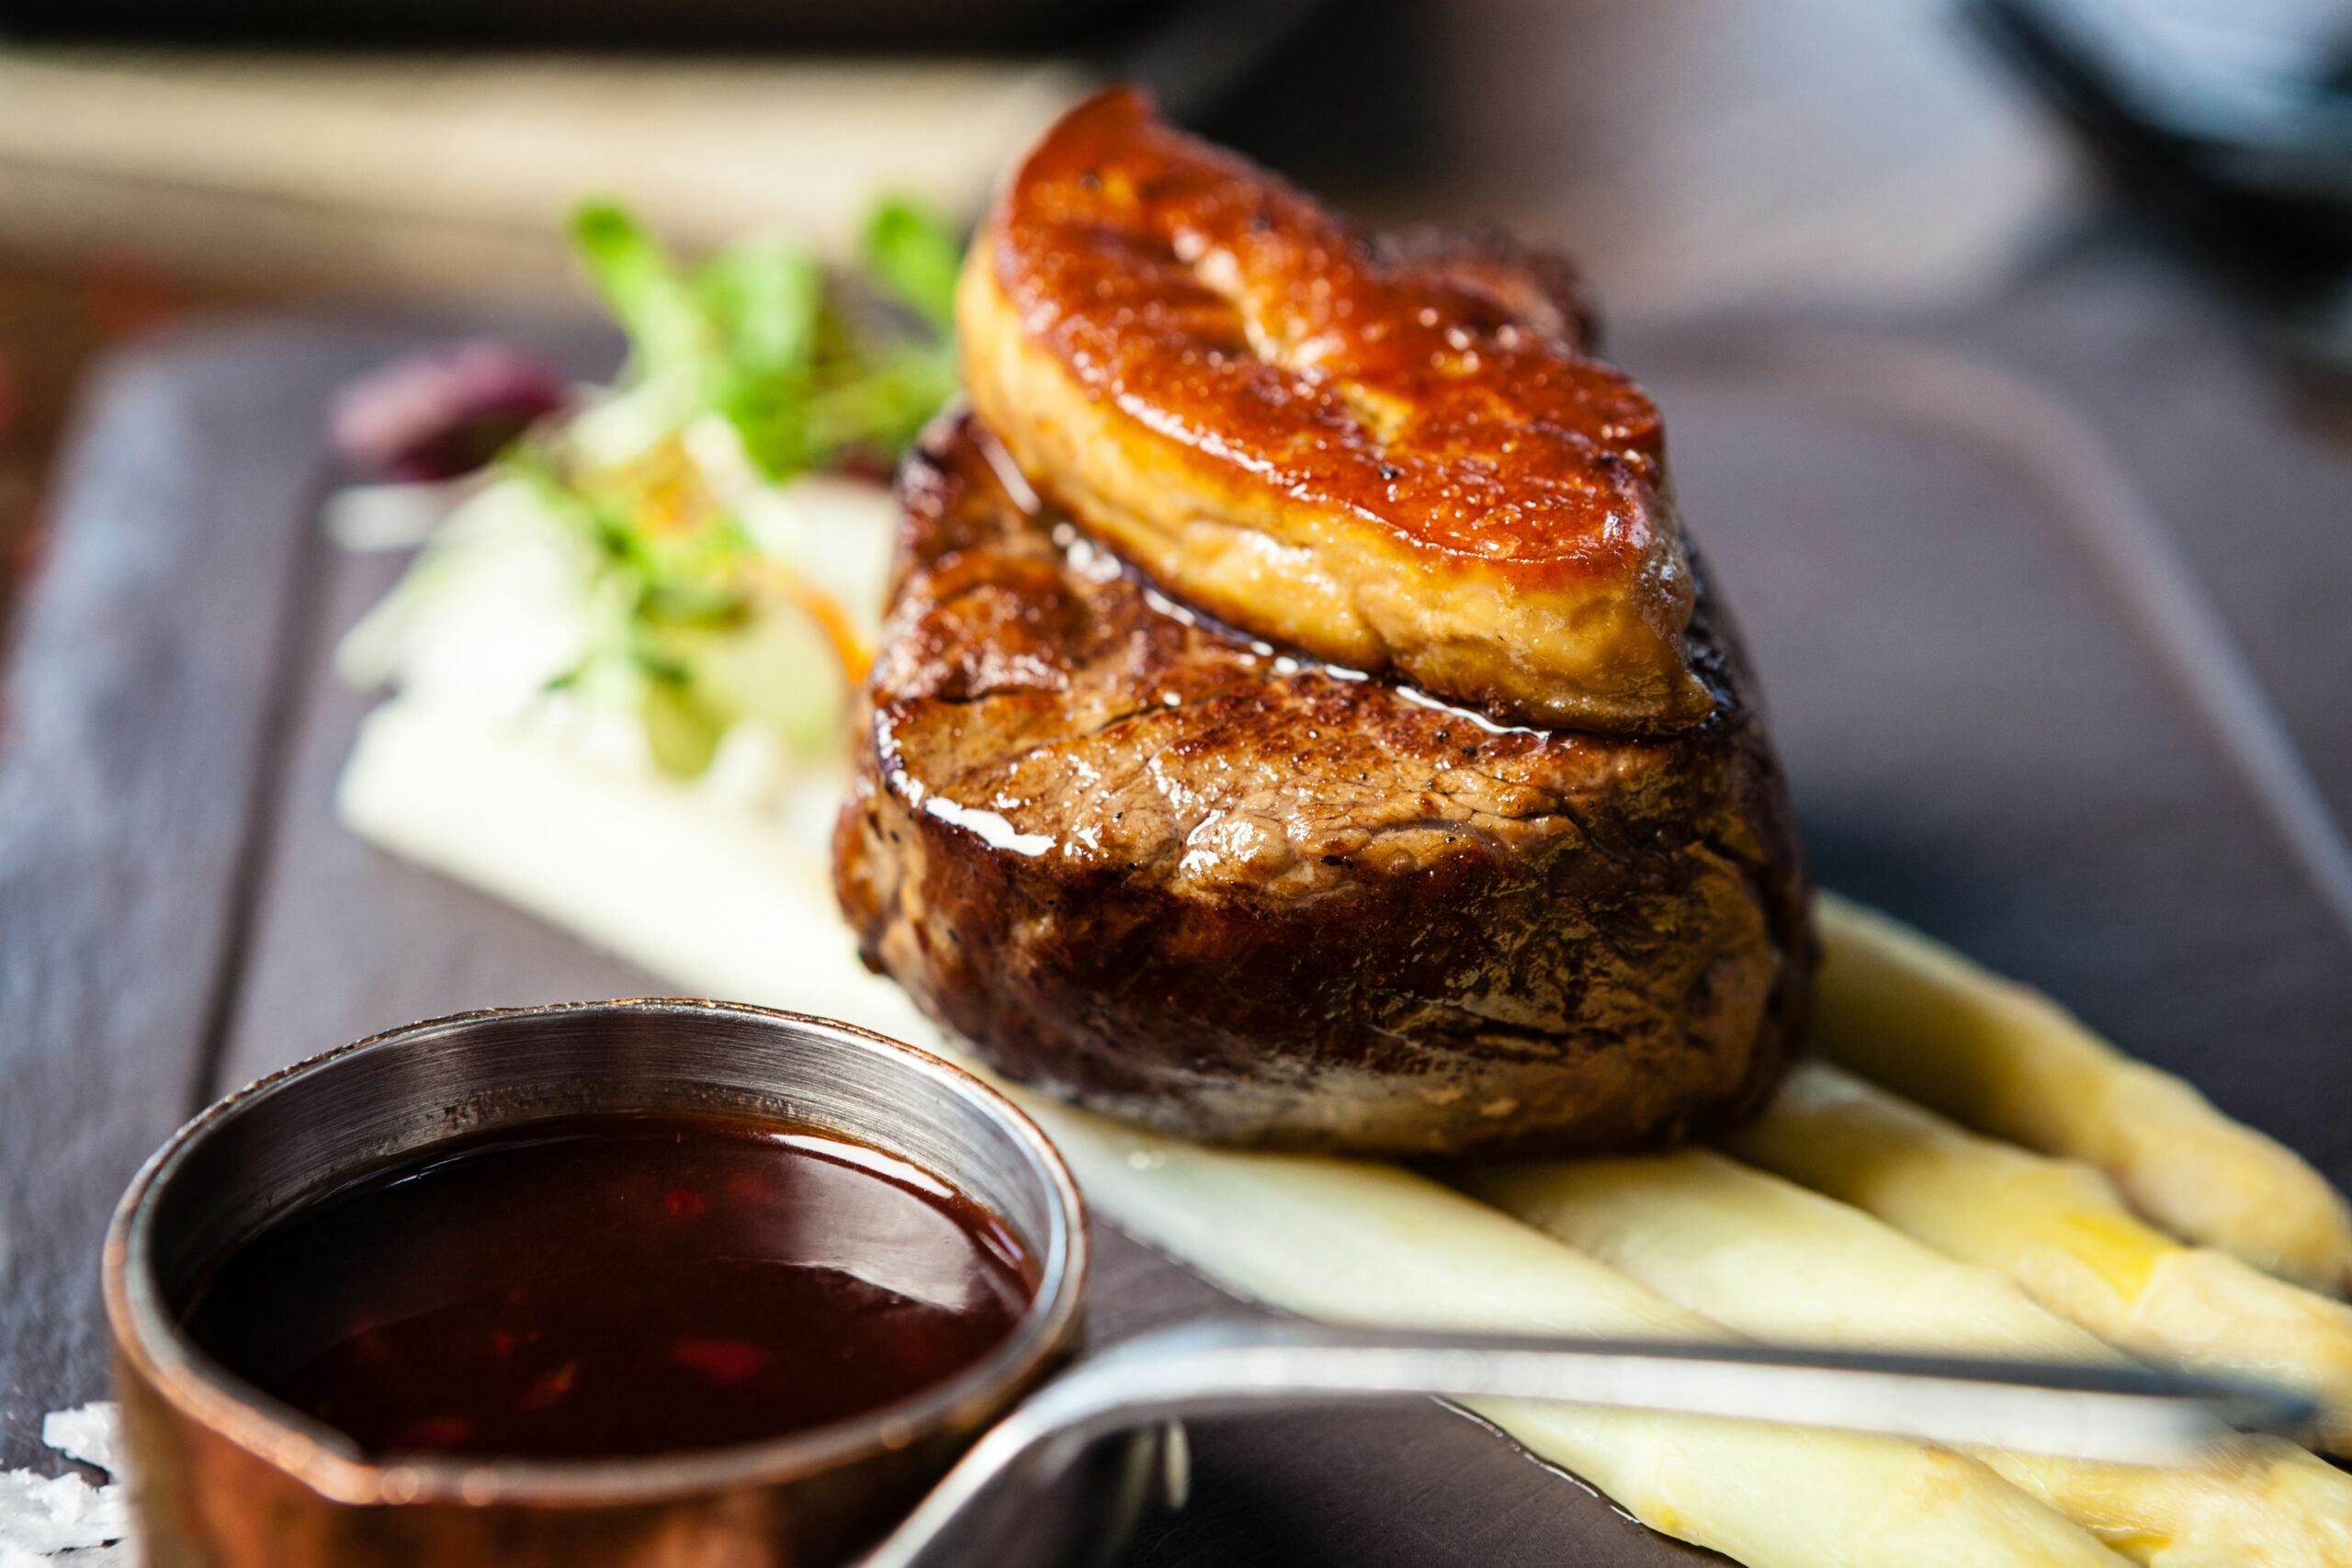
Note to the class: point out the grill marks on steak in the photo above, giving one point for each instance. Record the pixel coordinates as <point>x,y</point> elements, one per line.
<point>1161,869</point>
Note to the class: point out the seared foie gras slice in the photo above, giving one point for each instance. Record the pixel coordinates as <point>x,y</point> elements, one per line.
<point>1393,456</point>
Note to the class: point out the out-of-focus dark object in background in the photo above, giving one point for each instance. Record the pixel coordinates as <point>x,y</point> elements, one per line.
<point>2231,134</point>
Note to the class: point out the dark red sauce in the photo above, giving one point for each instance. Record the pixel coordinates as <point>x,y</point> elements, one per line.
<point>615,1285</point>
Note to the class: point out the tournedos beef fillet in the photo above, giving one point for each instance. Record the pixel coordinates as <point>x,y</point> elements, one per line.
<point>1300,719</point>
<point>1172,873</point>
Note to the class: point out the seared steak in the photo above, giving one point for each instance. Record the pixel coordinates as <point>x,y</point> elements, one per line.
<point>1160,869</point>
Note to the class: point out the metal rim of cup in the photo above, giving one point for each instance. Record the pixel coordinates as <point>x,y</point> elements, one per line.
<point>146,1329</point>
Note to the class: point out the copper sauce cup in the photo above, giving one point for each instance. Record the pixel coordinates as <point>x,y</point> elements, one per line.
<point>223,1476</point>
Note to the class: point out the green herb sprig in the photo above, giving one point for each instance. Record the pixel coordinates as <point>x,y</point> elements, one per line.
<point>758,333</point>
<point>810,373</point>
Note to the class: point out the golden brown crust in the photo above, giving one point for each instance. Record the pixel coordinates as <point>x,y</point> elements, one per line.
<point>1395,454</point>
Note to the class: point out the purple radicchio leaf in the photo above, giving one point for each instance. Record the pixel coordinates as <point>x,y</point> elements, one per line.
<point>444,411</point>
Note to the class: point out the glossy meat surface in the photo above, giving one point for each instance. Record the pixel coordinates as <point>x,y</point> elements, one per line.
<point>1165,871</point>
<point>1397,457</point>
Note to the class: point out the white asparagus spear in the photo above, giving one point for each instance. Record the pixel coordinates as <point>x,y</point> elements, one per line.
<point>1927,1022</point>
<point>1364,1243</point>
<point>728,906</point>
<point>1772,1260</point>
<point>2058,1229</point>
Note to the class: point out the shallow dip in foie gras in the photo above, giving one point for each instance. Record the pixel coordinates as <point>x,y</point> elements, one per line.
<point>1140,857</point>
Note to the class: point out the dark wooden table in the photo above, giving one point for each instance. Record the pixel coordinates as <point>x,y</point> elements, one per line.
<point>2050,598</point>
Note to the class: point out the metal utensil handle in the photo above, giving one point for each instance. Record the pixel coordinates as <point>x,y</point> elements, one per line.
<point>2123,1414</point>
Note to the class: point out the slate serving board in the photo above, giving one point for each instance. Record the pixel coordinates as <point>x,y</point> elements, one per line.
<point>2050,604</point>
